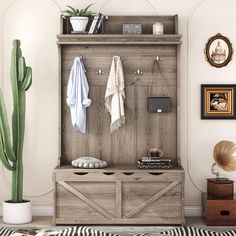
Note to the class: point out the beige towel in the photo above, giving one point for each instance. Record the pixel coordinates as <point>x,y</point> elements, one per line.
<point>115,94</point>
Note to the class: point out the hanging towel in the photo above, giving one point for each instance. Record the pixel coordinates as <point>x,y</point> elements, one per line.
<point>115,94</point>
<point>77,95</point>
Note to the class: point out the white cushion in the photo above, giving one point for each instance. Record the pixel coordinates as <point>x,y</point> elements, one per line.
<point>89,163</point>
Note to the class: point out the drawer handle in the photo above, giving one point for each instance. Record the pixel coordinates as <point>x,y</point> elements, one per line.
<point>108,173</point>
<point>155,173</point>
<point>80,173</point>
<point>128,173</point>
<point>225,213</point>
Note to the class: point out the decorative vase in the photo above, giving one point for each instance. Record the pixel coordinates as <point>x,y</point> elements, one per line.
<point>79,23</point>
<point>17,213</point>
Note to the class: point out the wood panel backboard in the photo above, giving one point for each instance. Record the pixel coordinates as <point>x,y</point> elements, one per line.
<point>142,129</point>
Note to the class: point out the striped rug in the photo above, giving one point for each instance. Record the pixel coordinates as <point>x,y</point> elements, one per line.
<point>87,231</point>
<point>191,231</point>
<point>6,232</point>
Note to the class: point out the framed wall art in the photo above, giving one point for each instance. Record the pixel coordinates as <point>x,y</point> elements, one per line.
<point>218,101</point>
<point>218,51</point>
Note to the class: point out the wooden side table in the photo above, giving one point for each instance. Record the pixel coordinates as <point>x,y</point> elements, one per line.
<point>219,212</point>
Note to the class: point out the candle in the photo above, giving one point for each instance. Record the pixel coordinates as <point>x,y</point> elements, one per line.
<point>158,28</point>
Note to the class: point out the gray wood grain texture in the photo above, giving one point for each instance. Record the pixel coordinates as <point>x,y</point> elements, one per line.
<point>142,129</point>
<point>139,198</point>
<point>130,168</point>
<point>113,25</point>
<point>121,193</point>
<point>116,39</point>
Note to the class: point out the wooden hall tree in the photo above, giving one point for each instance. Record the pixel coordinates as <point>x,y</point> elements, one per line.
<point>121,193</point>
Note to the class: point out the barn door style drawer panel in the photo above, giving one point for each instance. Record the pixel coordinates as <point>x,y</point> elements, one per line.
<point>119,197</point>
<point>152,202</point>
<point>85,202</point>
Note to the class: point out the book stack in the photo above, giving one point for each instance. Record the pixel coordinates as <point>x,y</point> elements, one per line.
<point>155,163</point>
<point>96,23</point>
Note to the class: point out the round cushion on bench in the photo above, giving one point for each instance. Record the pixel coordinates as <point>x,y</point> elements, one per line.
<point>89,163</point>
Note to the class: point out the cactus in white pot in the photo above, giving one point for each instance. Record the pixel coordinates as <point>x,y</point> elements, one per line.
<point>79,18</point>
<point>11,151</point>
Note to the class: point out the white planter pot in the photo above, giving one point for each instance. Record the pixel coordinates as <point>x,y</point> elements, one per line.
<point>17,213</point>
<point>79,23</point>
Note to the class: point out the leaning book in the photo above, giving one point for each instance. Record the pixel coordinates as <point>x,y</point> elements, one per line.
<point>94,24</point>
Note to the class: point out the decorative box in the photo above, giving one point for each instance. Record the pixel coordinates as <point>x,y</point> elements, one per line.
<point>219,212</point>
<point>220,189</point>
<point>132,29</point>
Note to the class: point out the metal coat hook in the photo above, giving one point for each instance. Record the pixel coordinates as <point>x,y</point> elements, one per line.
<point>157,58</point>
<point>138,72</point>
<point>82,58</point>
<point>99,72</point>
<point>100,151</point>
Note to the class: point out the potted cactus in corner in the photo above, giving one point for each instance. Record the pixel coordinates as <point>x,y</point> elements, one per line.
<point>17,210</point>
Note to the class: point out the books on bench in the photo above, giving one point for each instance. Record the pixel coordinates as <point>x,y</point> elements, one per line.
<point>155,163</point>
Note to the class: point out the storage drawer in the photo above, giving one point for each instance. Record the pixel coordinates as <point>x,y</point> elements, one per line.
<point>149,175</point>
<point>219,212</point>
<point>118,197</point>
<point>152,202</point>
<point>84,202</point>
<point>86,176</point>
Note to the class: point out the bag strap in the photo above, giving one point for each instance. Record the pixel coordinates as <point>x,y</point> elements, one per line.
<point>156,62</point>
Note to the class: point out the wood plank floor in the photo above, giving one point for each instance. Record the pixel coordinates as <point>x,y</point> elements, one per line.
<point>45,222</point>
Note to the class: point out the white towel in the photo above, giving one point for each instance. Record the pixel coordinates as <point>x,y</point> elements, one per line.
<point>115,94</point>
<point>77,95</point>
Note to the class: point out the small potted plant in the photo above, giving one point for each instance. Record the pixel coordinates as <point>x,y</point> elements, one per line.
<point>17,210</point>
<point>79,18</point>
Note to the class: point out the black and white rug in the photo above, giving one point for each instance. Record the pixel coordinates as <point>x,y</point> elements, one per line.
<point>88,231</point>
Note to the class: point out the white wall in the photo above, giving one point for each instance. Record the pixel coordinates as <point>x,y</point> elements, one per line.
<point>210,18</point>
<point>36,23</point>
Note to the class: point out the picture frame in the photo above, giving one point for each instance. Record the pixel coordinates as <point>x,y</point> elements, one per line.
<point>218,101</point>
<point>218,51</point>
<point>132,29</point>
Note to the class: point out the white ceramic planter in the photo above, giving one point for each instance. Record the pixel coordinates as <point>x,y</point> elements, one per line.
<point>17,213</point>
<point>79,23</point>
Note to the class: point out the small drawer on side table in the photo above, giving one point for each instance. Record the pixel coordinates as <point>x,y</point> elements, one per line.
<point>219,212</point>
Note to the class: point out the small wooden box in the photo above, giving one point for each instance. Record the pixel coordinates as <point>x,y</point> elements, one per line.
<point>219,212</point>
<point>220,189</point>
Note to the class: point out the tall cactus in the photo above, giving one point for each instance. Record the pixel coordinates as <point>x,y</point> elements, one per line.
<point>11,151</point>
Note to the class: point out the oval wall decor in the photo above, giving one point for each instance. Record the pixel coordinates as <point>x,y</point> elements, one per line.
<point>218,51</point>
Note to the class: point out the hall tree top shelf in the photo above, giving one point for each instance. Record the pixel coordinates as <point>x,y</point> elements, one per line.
<point>118,39</point>
<point>112,31</point>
